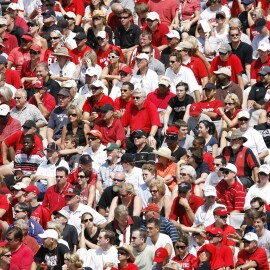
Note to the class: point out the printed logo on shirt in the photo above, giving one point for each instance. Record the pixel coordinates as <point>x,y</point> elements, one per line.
<point>51,260</point>
<point>180,109</point>
<point>229,67</point>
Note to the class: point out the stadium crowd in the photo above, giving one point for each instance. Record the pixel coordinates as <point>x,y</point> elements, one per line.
<point>134,134</point>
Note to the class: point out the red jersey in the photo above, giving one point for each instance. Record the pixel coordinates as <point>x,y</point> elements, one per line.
<point>102,56</point>
<point>160,101</point>
<point>27,72</point>
<point>10,42</point>
<point>4,204</point>
<point>121,105</point>
<point>13,78</point>
<point>233,63</point>
<point>226,255</point>
<point>77,55</point>
<point>208,158</point>
<point>113,21</point>
<point>75,6</point>
<point>189,262</point>
<point>256,66</point>
<point>17,56</point>
<point>42,215</point>
<point>48,57</point>
<point>211,106</point>
<point>159,35</point>
<point>259,256</point>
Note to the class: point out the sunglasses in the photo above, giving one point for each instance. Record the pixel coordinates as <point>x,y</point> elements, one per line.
<point>182,192</point>
<point>124,17</point>
<point>97,18</point>
<point>262,174</point>
<point>234,35</point>
<point>118,180</point>
<point>226,172</point>
<point>34,52</point>
<point>172,62</point>
<point>220,17</point>
<point>223,217</point>
<point>246,241</point>
<point>73,114</point>
<point>92,138</point>
<point>136,98</point>
<point>18,211</point>
<point>146,52</point>
<point>124,90</point>
<point>123,74</point>
<point>51,38</point>
<point>153,191</point>
<point>112,56</point>
<point>137,138</point>
<point>2,25</point>
<point>221,53</point>
<point>17,97</point>
<point>94,88</point>
<point>228,103</point>
<point>81,176</point>
<point>8,255</point>
<point>67,18</point>
<point>243,119</point>
<point>183,174</point>
<point>87,219</point>
<point>181,247</point>
<point>49,5</point>
<point>211,235</point>
<point>122,253</point>
<point>58,176</point>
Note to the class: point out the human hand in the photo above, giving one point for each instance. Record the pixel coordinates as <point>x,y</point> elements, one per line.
<point>250,103</point>
<point>152,142</point>
<point>184,202</point>
<point>163,132</point>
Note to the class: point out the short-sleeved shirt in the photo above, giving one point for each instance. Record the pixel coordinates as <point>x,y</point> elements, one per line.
<point>161,101</point>
<point>8,128</point>
<point>48,101</point>
<point>10,42</point>
<point>76,7</point>
<point>256,66</point>
<point>211,106</point>
<point>264,129</point>
<point>233,63</point>
<point>233,197</point>
<point>22,257</point>
<point>189,262</point>
<point>53,258</point>
<point>231,88</point>
<point>178,211</point>
<point>18,57</point>
<point>77,55</point>
<point>159,35</point>
<point>257,93</point>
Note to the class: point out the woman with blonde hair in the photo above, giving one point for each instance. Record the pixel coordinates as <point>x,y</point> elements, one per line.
<point>73,262</point>
<point>6,97</point>
<point>229,116</point>
<point>5,258</point>
<point>157,189</point>
<point>75,126</point>
<point>126,196</point>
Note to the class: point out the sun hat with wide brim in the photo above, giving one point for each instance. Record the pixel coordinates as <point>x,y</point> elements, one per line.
<point>62,52</point>
<point>128,249</point>
<point>236,134</point>
<point>164,152</point>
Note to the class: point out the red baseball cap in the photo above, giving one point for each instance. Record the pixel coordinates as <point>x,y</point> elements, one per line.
<point>172,130</point>
<point>160,255</point>
<point>151,207</point>
<point>215,231</point>
<point>127,69</point>
<point>194,109</point>
<point>39,84</point>
<point>35,48</point>
<point>27,37</point>
<point>31,188</point>
<point>221,212</point>
<point>95,133</point>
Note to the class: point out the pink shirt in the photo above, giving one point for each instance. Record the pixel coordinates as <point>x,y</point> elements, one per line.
<point>188,9</point>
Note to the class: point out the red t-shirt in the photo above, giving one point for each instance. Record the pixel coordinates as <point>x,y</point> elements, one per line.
<point>208,158</point>
<point>159,36</point>
<point>259,256</point>
<point>113,21</point>
<point>23,257</point>
<point>4,204</point>
<point>211,106</point>
<point>10,42</point>
<point>13,78</point>
<point>75,6</point>
<point>256,66</point>
<point>232,197</point>
<point>161,102</point>
<point>130,266</point>
<point>233,63</point>
<point>77,56</point>
<point>187,263</point>
<point>18,57</point>
<point>227,255</point>
<point>178,211</point>
<point>42,215</point>
<point>27,72</point>
<point>198,68</point>
<point>48,57</point>
<point>144,118</point>
<point>253,33</point>
<point>121,105</point>
<point>48,101</point>
<point>102,56</point>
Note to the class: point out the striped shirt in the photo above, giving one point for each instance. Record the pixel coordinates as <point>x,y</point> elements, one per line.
<point>232,197</point>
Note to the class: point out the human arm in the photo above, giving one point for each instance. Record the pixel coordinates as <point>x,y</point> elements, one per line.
<point>230,123</point>
<point>44,111</point>
<point>197,95</point>
<point>184,202</point>
<point>201,179</point>
<point>49,135</point>
<point>92,195</point>
<point>151,140</point>
<point>248,265</point>
<point>5,153</point>
<point>166,117</point>
<point>168,247</point>
<point>137,206</point>
<point>112,208</point>
<point>83,243</point>
<point>63,137</point>
<point>33,266</point>
<point>247,68</point>
<point>167,205</point>
<point>214,150</point>
<point>240,81</point>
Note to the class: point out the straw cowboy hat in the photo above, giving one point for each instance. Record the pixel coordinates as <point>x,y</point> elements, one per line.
<point>164,152</point>
<point>236,134</point>
<point>128,250</point>
<point>62,51</point>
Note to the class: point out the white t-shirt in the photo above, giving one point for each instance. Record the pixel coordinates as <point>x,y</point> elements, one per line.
<point>68,70</point>
<point>135,178</point>
<point>210,15</point>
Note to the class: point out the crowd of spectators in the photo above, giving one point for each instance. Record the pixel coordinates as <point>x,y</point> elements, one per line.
<point>135,134</point>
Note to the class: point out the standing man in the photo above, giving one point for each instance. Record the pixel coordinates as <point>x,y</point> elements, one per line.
<point>143,253</point>
<point>177,72</point>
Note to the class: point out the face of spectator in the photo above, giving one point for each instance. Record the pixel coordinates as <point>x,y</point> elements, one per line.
<point>224,56</point>
<point>172,41</point>
<point>41,72</point>
<point>203,130</point>
<point>236,144</point>
<point>12,242</point>
<point>6,258</point>
<point>144,40</point>
<point>93,141</point>
<point>122,221</point>
<point>125,77</point>
<point>33,28</point>
<point>217,164</point>
<point>102,241</point>
<point>63,101</point>
<point>147,176</point>
<point>174,64</point>
<point>72,200</point>
<point>210,200</point>
<point>61,178</point>
<point>88,221</point>
<point>152,24</point>
<point>235,35</point>
<point>183,132</point>
<point>155,192</point>
<point>19,213</point>
<point>90,79</point>
<point>262,54</point>
<point>210,94</point>
<point>51,154</point>
<point>263,178</point>
<point>20,99</point>
<point>180,92</point>
<point>250,246</point>
<point>151,230</point>
<point>47,242</point>
<point>82,179</point>
<point>189,158</point>
<point>141,63</point>
<point>136,240</point>
<point>3,28</point>
<point>258,224</point>
<point>139,140</point>
<point>102,42</point>
<point>243,123</point>
<point>185,194</point>
<point>112,154</point>
<point>107,115</point>
<point>181,248</point>
<point>215,5</point>
<point>55,39</point>
<point>29,196</point>
<point>86,167</point>
<point>112,57</point>
<point>185,176</point>
<point>80,43</point>
<point>213,239</point>
<point>125,92</point>
<point>28,144</point>
<point>199,238</point>
<point>152,214</point>
<point>18,193</point>
<point>119,179</point>
<point>72,116</point>
<point>228,175</point>
<point>138,99</point>
<point>257,206</point>
<point>125,19</point>
<point>97,91</point>
<point>26,45</point>
<point>221,220</point>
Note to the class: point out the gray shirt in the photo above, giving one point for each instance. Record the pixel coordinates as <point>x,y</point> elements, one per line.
<point>264,242</point>
<point>187,142</point>
<point>157,66</point>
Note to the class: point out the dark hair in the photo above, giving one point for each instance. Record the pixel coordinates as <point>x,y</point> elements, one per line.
<point>74,139</point>
<point>260,215</point>
<point>155,221</point>
<point>85,214</point>
<point>109,235</point>
<point>257,199</point>
<point>85,172</point>
<point>210,125</point>
<point>29,136</point>
<point>127,11</point>
<point>148,46</point>
<point>222,158</point>
<point>250,213</point>
<point>196,154</point>
<point>177,55</point>
<point>200,140</point>
<point>62,169</point>
<point>24,207</point>
<point>18,233</point>
<point>183,84</point>
<point>130,85</point>
<point>184,239</point>
<point>143,234</point>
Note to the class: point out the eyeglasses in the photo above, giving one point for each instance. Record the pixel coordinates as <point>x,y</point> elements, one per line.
<point>17,97</point>
<point>172,62</point>
<point>223,217</point>
<point>53,38</point>
<point>59,176</point>
<point>220,17</point>
<point>100,39</point>
<point>243,119</point>
<point>234,35</point>
<point>123,195</point>
<point>124,17</point>
<point>256,208</point>
<point>18,211</point>
<point>93,88</point>
<point>92,138</point>
<point>123,74</point>
<point>221,53</point>
<point>183,174</point>
<point>87,219</point>
<point>2,25</point>
<point>112,56</point>
<point>216,164</point>
<point>226,172</point>
<point>7,255</point>
<point>181,247</point>
<point>153,191</point>
<point>136,98</point>
<point>73,114</point>
<point>262,174</point>
<point>9,239</point>
<point>49,5</point>
<point>118,180</point>
<point>81,176</point>
<point>133,237</point>
<point>228,103</point>
<point>34,52</point>
<point>146,52</point>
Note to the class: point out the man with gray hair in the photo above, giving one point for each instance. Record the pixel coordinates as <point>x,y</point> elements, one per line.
<point>142,114</point>
<point>76,98</point>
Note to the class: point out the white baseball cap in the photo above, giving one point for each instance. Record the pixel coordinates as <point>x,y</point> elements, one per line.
<point>69,83</point>
<point>230,167</point>
<point>173,34</point>
<point>153,16</point>
<point>209,191</point>
<point>13,6</point>
<point>50,233</point>
<point>4,109</point>
<point>142,56</point>
<point>264,46</point>
<point>91,71</point>
<point>251,236</point>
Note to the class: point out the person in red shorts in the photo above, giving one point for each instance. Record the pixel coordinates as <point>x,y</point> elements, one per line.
<point>220,216</point>
<point>215,237</point>
<point>252,256</point>
<point>93,103</point>
<point>158,30</point>
<point>185,206</point>
<point>229,60</point>
<point>105,48</point>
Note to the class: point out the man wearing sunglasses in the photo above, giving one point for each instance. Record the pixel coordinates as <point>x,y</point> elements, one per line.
<point>230,191</point>
<point>252,256</point>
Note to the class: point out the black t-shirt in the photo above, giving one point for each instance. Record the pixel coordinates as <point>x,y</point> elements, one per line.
<point>165,56</point>
<point>53,258</point>
<point>244,52</point>
<point>264,129</point>
<point>257,93</point>
<point>179,107</point>
<point>93,239</point>
<point>106,198</point>
<point>53,88</point>
<point>179,153</point>
<point>70,234</point>
<point>145,156</point>
<point>243,17</point>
